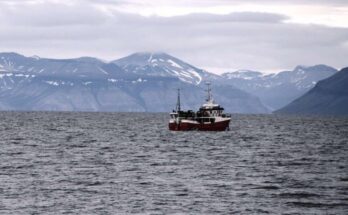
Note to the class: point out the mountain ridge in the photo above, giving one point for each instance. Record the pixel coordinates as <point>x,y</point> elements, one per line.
<point>88,84</point>
<point>129,78</point>
<point>279,89</point>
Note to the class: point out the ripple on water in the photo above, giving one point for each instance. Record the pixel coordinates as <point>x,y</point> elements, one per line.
<point>102,163</point>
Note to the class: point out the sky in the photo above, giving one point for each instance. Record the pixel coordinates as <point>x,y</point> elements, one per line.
<point>216,35</point>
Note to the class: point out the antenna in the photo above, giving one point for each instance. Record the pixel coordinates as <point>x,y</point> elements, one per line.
<point>209,96</point>
<point>178,106</point>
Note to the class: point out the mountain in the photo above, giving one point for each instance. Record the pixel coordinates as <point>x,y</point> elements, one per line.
<point>242,75</point>
<point>328,97</point>
<point>278,90</point>
<point>164,65</point>
<point>134,83</point>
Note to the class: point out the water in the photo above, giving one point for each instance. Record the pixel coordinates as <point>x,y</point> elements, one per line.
<point>121,163</point>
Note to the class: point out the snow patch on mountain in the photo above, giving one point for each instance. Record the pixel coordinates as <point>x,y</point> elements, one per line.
<point>174,64</point>
<point>23,75</point>
<point>54,83</point>
<point>103,71</point>
<point>36,57</point>
<point>112,80</point>
<point>57,83</point>
<point>196,74</point>
<point>243,74</point>
<point>87,83</point>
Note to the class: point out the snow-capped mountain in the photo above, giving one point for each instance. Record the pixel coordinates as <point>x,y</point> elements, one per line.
<point>89,84</point>
<point>242,74</point>
<point>162,64</point>
<point>277,90</point>
<point>79,67</point>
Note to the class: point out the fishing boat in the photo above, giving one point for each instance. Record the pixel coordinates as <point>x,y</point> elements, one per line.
<point>209,117</point>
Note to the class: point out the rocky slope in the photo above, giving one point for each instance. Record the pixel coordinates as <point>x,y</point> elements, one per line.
<point>328,97</point>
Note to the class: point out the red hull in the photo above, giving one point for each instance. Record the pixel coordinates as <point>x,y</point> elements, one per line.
<point>183,126</point>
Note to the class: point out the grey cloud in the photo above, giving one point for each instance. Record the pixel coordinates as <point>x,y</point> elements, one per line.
<point>51,14</point>
<point>294,2</point>
<point>234,41</point>
<point>186,3</point>
<point>221,2</point>
<point>233,17</point>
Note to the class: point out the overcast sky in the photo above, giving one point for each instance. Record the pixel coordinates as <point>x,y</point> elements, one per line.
<point>217,35</point>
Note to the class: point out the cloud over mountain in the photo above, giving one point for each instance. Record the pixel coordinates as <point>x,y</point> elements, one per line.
<point>255,40</point>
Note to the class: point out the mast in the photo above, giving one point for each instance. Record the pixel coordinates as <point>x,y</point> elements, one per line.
<point>209,95</point>
<point>178,106</point>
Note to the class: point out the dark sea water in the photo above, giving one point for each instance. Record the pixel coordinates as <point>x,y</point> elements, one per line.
<point>122,163</point>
